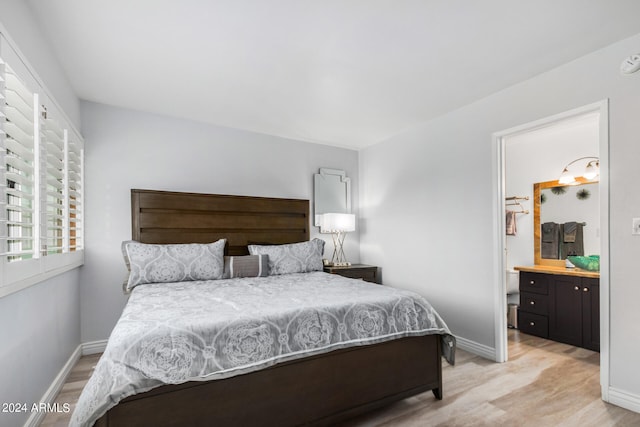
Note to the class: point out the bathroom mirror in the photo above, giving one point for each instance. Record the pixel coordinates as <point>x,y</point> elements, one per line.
<point>560,204</point>
<point>331,193</point>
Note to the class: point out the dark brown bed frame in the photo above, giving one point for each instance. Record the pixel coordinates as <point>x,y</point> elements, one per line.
<point>318,390</point>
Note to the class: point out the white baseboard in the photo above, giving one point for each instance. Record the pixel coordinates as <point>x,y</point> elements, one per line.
<point>623,399</point>
<point>93,347</point>
<point>477,349</point>
<point>49,396</point>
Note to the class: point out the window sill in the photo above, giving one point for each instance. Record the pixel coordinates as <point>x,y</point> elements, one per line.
<point>49,267</point>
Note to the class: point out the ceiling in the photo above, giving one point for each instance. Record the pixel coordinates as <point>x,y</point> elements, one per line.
<point>349,73</point>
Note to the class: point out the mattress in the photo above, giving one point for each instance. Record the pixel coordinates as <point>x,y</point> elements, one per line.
<point>171,333</point>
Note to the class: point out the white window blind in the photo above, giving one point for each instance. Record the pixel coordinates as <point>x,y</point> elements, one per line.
<point>20,168</point>
<point>41,180</point>
<point>3,164</point>
<point>75,192</point>
<point>53,149</point>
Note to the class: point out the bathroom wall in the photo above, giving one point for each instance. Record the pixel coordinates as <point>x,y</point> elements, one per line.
<point>539,156</point>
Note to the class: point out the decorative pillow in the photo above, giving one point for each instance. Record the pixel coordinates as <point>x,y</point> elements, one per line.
<point>292,258</point>
<point>246,266</point>
<point>173,263</point>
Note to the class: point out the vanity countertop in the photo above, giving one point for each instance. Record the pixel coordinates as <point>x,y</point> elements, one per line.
<point>550,269</point>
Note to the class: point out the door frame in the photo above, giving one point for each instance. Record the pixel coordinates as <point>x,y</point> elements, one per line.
<point>500,241</point>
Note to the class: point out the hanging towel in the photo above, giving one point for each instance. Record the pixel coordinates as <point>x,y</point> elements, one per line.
<point>550,247</point>
<point>511,223</point>
<point>570,231</point>
<point>550,231</point>
<point>575,247</point>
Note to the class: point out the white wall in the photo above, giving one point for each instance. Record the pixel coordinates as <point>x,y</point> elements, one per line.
<point>16,17</point>
<point>40,325</point>
<point>40,329</point>
<point>127,149</point>
<point>428,211</point>
<point>540,156</point>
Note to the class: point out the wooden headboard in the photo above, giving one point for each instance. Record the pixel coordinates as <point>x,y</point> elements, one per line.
<point>170,217</point>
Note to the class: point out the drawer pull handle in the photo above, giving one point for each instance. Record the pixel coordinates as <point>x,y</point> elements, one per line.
<point>576,288</point>
<point>585,289</point>
<point>532,302</point>
<point>532,323</point>
<point>533,282</point>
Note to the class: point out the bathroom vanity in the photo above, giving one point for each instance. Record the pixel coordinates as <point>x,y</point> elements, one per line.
<point>561,304</point>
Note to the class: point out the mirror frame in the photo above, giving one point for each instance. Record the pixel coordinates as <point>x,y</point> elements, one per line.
<point>342,176</point>
<point>537,187</point>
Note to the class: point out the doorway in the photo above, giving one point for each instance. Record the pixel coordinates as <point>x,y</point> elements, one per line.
<point>545,163</point>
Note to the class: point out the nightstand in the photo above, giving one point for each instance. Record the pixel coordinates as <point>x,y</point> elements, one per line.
<point>367,273</point>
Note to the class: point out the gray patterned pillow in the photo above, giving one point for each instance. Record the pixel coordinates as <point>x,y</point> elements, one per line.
<point>292,258</point>
<point>173,263</point>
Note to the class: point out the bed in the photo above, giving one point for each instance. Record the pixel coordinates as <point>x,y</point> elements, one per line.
<point>322,385</point>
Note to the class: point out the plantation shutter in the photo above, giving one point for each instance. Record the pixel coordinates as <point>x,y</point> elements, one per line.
<point>41,172</point>
<point>3,182</point>
<point>53,144</point>
<point>75,169</point>
<point>20,168</point>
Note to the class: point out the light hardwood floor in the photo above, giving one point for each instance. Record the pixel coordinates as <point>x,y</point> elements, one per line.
<point>544,384</point>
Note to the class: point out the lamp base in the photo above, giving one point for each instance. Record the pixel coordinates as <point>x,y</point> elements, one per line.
<point>338,259</point>
<point>341,264</point>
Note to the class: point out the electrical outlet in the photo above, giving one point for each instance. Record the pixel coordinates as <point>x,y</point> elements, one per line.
<point>635,224</point>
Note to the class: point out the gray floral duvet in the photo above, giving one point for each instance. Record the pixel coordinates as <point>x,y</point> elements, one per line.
<point>170,333</point>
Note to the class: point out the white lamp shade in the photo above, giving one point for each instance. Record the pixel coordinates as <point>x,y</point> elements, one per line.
<point>591,171</point>
<point>566,177</point>
<point>332,222</point>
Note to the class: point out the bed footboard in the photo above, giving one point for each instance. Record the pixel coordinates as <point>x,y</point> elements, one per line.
<point>318,390</point>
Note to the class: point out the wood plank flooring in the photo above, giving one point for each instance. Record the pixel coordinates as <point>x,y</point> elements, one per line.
<point>71,391</point>
<point>544,384</point>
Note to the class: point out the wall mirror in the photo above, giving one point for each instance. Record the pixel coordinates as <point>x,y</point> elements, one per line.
<point>331,193</point>
<point>562,204</point>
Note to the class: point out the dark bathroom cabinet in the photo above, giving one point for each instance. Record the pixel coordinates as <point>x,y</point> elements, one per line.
<point>561,307</point>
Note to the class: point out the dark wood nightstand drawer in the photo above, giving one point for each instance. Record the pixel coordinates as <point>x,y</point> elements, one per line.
<point>534,282</point>
<point>534,303</point>
<point>367,273</point>
<point>533,324</point>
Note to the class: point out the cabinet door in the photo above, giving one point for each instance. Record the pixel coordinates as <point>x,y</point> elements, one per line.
<point>565,310</point>
<point>591,314</point>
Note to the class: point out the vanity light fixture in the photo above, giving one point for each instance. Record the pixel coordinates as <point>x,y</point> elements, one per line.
<point>338,224</point>
<point>591,171</point>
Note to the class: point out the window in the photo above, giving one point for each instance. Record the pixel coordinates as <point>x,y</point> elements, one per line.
<point>41,181</point>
